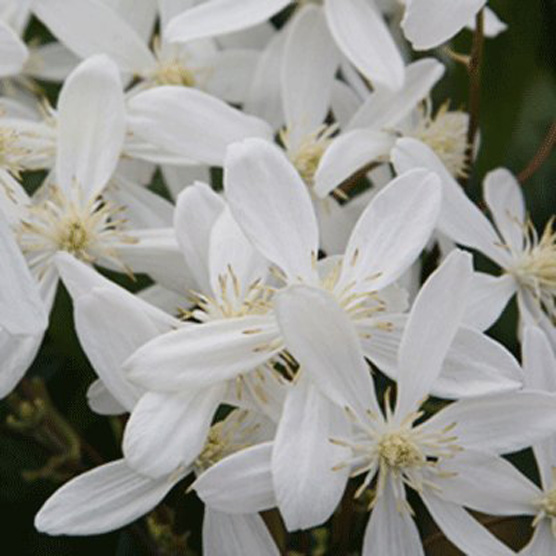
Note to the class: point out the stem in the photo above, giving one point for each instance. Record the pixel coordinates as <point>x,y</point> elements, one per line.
<point>541,155</point>
<point>474,68</point>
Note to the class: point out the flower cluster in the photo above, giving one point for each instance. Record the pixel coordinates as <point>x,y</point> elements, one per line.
<point>286,351</point>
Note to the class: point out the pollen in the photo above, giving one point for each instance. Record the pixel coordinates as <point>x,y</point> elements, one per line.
<point>446,134</point>
<point>397,450</point>
<point>173,72</point>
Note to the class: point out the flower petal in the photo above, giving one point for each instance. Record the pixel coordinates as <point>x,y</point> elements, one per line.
<point>271,203</point>
<point>101,401</point>
<point>14,51</point>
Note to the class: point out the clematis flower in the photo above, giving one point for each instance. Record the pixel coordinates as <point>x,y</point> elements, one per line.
<point>527,259</point>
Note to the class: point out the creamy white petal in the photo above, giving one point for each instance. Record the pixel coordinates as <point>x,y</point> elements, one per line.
<point>168,431</point>
<point>205,354</point>
<point>309,491</point>
<point>344,102</point>
<point>431,328</point>
<point>240,534</point>
<point>322,338</point>
<point>460,219</point>
<point>429,23</point>
<point>51,62</point>
<point>13,49</point>
<point>389,531</point>
<point>488,297</point>
<point>347,154</point>
<point>101,401</point>
<point>392,231</point>
<point>384,109</point>
<point>240,483</point>
<point>542,543</point>
<point>101,500</point>
<point>463,530</point>
<point>90,27</point>
<point>499,424</point>
<point>91,128</point>
<point>218,17</point>
<point>272,205</point>
<point>197,209</point>
<point>539,360</point>
<point>504,198</point>
<point>310,62</point>
<point>362,34</point>
<point>182,120</point>
<point>178,178</point>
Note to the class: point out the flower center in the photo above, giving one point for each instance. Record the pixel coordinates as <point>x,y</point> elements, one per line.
<point>60,224</point>
<point>12,153</point>
<point>307,155</point>
<point>397,451</point>
<point>173,72</point>
<point>446,135</point>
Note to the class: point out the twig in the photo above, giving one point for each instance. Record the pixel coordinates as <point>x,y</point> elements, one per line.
<point>541,155</point>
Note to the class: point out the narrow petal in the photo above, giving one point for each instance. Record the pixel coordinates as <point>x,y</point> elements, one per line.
<point>168,431</point>
<point>197,209</point>
<point>488,484</point>
<point>240,483</point>
<point>362,34</point>
<point>347,154</point>
<point>14,51</point>
<point>431,328</point>
<point>309,491</point>
<point>324,341</point>
<point>22,310</point>
<point>101,500</point>
<point>272,205</point>
<point>101,401</point>
<point>91,127</point>
<point>310,62</point>
<point>504,198</point>
<point>460,219</point>
<point>204,354</point>
<point>181,121</point>
<point>542,543</point>
<point>462,530</point>
<point>430,23</point>
<point>221,16</point>
<point>51,62</point>
<point>384,109</point>
<point>488,297</point>
<point>240,534</point>
<point>389,531</point>
<point>539,360</point>
<point>499,424</point>
<point>392,231</point>
<point>89,27</point>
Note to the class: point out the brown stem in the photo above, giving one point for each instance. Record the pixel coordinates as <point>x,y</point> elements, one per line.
<point>541,155</point>
<point>474,68</point>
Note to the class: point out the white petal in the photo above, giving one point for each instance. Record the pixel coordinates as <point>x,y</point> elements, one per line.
<point>542,543</point>
<point>477,365</point>
<point>431,328</point>
<point>221,16</point>
<point>463,530</point>
<point>181,120</point>
<point>91,127</point>
<point>51,62</point>
<point>140,15</point>
<point>101,500</point>
<point>309,491</point>
<point>178,178</point>
<point>347,154</point>
<point>384,109</point>
<point>493,24</point>
<point>488,484</point>
<point>460,219</point>
<point>429,23</point>
<point>197,209</point>
<point>504,198</point>
<point>240,483</point>
<point>89,27</point>
<point>322,338</point>
<point>240,534</point>
<point>363,36</point>
<point>18,353</point>
<point>392,231</point>
<point>204,354</point>
<point>310,62</point>
<point>22,311</point>
<point>344,103</point>
<point>13,49</point>
<point>101,401</point>
<point>168,431</point>
<point>272,205</point>
<point>488,297</point>
<point>389,531</point>
<point>499,424</point>
<point>539,360</point>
